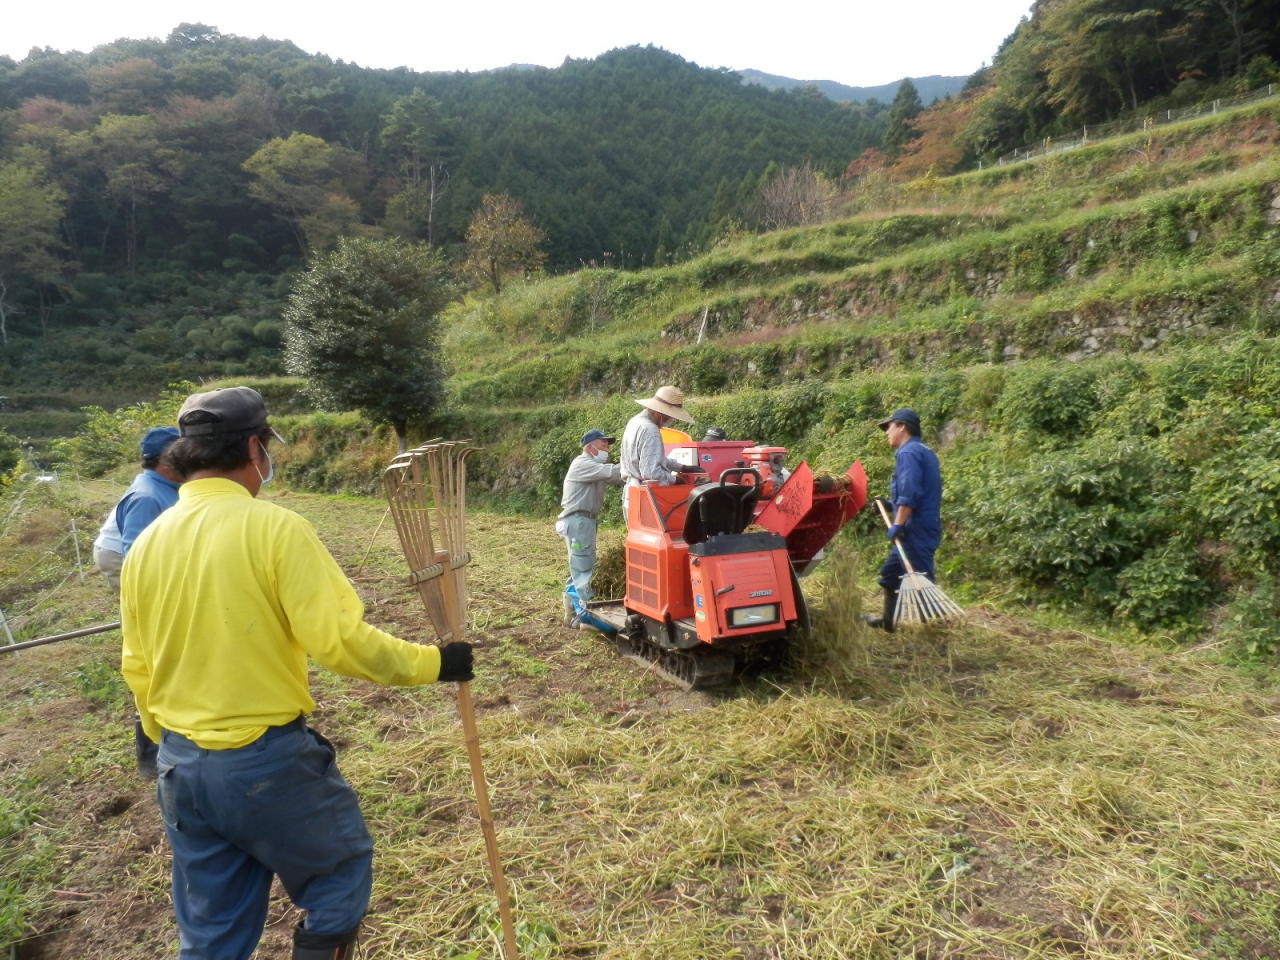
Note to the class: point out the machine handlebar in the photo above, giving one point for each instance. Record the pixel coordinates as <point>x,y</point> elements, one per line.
<point>740,472</point>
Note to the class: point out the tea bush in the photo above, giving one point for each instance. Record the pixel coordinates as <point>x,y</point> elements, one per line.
<point>1251,618</point>
<point>109,439</point>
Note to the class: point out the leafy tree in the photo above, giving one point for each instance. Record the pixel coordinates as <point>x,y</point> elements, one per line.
<point>1105,56</point>
<point>414,131</point>
<point>137,168</point>
<point>501,240</point>
<point>938,144</point>
<point>30,211</point>
<point>906,107</point>
<point>362,329</point>
<point>297,177</point>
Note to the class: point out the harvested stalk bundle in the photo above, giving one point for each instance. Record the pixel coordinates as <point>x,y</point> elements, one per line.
<point>433,477</point>
<point>920,600</point>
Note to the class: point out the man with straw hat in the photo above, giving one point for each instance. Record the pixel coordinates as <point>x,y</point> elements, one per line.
<point>643,457</point>
<point>222,599</point>
<point>915,506</point>
<point>580,503</point>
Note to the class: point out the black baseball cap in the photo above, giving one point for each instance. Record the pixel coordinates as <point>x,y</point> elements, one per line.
<point>219,413</point>
<point>902,415</point>
<point>591,436</point>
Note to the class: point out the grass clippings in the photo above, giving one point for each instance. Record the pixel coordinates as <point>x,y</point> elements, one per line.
<point>990,791</point>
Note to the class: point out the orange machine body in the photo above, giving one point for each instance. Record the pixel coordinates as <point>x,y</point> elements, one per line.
<point>712,566</point>
<point>657,561</point>
<point>726,588</point>
<point>742,594</point>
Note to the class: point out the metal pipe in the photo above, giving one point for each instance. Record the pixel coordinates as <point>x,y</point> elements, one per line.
<point>86,632</point>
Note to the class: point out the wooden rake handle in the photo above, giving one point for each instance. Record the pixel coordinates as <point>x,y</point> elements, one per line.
<point>467,712</point>
<point>888,523</point>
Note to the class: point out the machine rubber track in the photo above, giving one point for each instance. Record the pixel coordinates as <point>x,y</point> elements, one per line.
<point>690,671</point>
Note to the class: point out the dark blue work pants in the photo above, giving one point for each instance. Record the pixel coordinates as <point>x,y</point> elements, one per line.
<point>235,818</point>
<point>892,570</point>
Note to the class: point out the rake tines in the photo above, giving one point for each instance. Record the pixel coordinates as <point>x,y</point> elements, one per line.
<point>433,478</point>
<point>920,600</point>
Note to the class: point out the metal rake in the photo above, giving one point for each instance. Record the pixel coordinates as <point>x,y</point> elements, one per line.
<point>920,600</point>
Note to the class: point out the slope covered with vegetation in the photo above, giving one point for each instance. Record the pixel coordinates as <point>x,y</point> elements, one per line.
<point>158,196</point>
<point>1089,338</point>
<point>1091,343</point>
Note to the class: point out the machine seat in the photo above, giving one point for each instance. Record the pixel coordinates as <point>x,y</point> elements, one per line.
<point>717,509</point>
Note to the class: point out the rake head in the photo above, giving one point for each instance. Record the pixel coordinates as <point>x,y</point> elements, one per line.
<point>426,491</point>
<point>920,601</point>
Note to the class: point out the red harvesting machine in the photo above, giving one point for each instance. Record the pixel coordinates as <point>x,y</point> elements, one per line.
<point>714,560</point>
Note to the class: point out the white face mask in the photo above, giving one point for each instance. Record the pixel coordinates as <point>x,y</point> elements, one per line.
<point>601,456</point>
<point>271,468</point>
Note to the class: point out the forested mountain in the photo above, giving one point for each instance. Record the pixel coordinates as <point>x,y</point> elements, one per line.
<point>1074,63</point>
<point>930,88</point>
<point>159,190</point>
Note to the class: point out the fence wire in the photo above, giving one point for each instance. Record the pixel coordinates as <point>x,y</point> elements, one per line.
<point>1117,128</point>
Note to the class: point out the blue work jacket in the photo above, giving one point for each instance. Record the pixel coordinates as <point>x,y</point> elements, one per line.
<point>147,497</point>
<point>917,483</point>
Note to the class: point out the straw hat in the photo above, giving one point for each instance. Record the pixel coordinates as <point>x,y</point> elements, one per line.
<point>668,400</point>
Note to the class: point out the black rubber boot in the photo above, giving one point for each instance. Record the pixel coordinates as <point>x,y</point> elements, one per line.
<point>324,946</point>
<point>885,620</point>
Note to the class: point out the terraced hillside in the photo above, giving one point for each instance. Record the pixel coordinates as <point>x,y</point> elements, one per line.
<point>1092,344</point>
<point>1090,339</point>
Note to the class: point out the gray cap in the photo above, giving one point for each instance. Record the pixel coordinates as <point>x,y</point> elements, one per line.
<point>222,412</point>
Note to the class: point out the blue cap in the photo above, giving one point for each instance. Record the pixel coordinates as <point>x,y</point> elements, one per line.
<point>901,415</point>
<point>157,441</point>
<point>591,436</point>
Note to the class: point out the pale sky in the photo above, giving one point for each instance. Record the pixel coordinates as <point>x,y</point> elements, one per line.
<point>857,42</point>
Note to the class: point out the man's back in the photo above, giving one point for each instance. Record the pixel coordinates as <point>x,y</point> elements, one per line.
<point>222,598</point>
<point>917,482</point>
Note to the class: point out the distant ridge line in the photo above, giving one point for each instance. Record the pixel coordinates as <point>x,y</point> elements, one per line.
<point>930,88</point>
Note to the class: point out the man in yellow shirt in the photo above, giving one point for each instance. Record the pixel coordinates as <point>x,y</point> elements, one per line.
<point>222,599</point>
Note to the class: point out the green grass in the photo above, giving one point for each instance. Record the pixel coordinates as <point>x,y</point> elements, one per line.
<point>997,790</point>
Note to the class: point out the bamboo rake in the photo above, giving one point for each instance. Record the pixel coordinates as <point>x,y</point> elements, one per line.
<point>919,599</point>
<point>435,474</point>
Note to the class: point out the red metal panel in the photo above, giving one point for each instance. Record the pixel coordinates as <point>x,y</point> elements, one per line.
<point>808,515</point>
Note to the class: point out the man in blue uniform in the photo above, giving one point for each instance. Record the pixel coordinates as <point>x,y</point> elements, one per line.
<point>915,504</point>
<point>152,492</point>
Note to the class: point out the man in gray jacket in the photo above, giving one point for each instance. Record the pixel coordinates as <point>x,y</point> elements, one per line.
<point>579,506</point>
<point>643,454</point>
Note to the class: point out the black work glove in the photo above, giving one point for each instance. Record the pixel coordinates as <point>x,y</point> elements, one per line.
<point>456,663</point>
<point>691,468</point>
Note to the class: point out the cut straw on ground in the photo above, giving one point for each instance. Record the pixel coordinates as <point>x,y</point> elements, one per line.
<point>991,791</point>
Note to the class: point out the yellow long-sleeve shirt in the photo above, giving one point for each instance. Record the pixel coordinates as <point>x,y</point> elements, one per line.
<point>221,600</point>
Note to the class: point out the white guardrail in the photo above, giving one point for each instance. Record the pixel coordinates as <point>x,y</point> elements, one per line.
<point>1117,128</point>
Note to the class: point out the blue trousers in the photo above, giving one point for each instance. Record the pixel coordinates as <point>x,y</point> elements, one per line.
<point>236,818</point>
<point>892,570</point>
<point>579,535</point>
